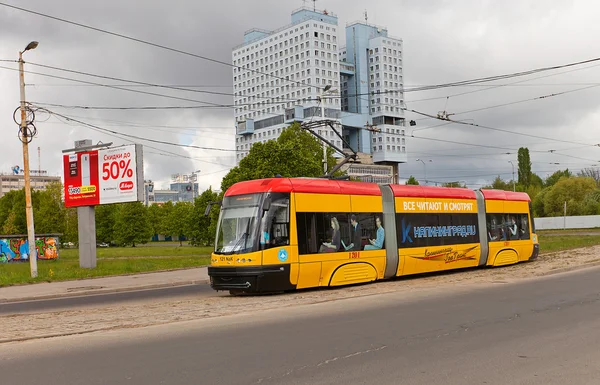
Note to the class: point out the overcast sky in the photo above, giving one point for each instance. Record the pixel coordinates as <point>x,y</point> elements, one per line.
<point>444,41</point>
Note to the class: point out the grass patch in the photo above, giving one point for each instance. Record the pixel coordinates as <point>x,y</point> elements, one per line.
<point>139,251</point>
<point>568,231</point>
<point>110,262</point>
<point>566,242</point>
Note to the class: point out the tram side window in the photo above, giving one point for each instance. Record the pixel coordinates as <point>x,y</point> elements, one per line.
<point>339,232</point>
<point>306,232</point>
<point>276,223</point>
<point>316,230</point>
<point>372,230</point>
<point>506,227</point>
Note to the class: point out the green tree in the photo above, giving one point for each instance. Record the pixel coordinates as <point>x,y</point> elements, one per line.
<point>106,216</point>
<point>570,190</point>
<point>500,184</point>
<point>532,191</point>
<point>552,179</point>
<point>179,219</point>
<point>295,153</point>
<point>454,184</point>
<point>14,202</point>
<point>591,203</point>
<point>538,202</point>
<point>155,219</point>
<point>591,172</point>
<point>71,233</point>
<point>203,228</point>
<point>9,227</point>
<point>412,181</point>
<point>49,212</point>
<point>131,224</point>
<point>164,226</point>
<point>524,167</point>
<point>536,180</point>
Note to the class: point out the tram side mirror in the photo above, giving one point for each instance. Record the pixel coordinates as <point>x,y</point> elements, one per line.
<point>209,206</point>
<point>267,204</point>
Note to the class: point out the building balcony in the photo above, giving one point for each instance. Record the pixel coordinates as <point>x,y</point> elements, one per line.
<point>245,127</point>
<point>346,69</point>
<point>294,114</point>
<point>388,156</point>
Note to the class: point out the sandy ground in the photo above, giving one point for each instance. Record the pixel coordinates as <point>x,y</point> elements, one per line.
<point>131,315</point>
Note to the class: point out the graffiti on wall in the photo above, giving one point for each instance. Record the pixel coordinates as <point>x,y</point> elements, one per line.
<point>17,249</point>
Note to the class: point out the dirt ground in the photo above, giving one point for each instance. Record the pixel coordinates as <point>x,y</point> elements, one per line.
<point>131,315</point>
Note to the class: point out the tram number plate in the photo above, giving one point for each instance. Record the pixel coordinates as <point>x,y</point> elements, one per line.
<point>354,254</point>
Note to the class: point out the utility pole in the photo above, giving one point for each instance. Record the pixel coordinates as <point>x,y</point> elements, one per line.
<point>513,169</point>
<point>323,118</point>
<point>26,137</point>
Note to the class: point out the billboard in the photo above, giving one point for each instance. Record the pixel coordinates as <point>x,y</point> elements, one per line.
<point>98,177</point>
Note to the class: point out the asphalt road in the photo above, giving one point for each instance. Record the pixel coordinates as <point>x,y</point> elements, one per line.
<point>105,299</point>
<point>544,331</point>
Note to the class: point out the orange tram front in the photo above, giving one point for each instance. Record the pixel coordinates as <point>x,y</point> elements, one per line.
<point>283,234</point>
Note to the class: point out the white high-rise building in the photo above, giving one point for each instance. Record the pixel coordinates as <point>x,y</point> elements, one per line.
<point>278,77</point>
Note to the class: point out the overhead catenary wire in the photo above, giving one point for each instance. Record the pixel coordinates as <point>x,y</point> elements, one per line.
<point>281,101</point>
<point>139,137</point>
<point>503,130</point>
<point>208,104</point>
<point>519,83</point>
<point>149,43</point>
<point>120,136</point>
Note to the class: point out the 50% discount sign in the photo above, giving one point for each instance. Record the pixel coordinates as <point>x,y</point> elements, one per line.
<point>117,169</point>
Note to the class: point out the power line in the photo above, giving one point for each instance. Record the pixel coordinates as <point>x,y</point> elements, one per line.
<point>506,76</point>
<point>140,83</point>
<point>527,100</point>
<point>510,84</point>
<point>144,125</point>
<point>186,133</point>
<point>483,175</point>
<point>209,104</point>
<point>506,131</point>
<point>118,88</point>
<point>146,42</point>
<point>119,136</point>
<point>137,137</point>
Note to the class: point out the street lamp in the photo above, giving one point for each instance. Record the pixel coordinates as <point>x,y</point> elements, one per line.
<point>25,139</point>
<point>513,169</point>
<point>424,167</point>
<point>327,89</point>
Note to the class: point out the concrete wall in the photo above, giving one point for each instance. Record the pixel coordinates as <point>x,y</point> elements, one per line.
<point>576,222</point>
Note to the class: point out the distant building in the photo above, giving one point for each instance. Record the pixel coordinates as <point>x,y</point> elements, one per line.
<point>39,181</point>
<point>278,77</point>
<point>367,171</point>
<point>164,196</point>
<point>186,191</point>
<point>183,189</point>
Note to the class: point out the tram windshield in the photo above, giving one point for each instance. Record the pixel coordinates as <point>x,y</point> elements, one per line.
<point>253,222</point>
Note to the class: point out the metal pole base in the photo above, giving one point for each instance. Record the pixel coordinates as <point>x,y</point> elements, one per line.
<point>86,217</point>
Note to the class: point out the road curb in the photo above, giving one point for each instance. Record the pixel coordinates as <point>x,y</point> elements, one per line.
<point>55,335</point>
<point>104,291</point>
<point>570,268</point>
